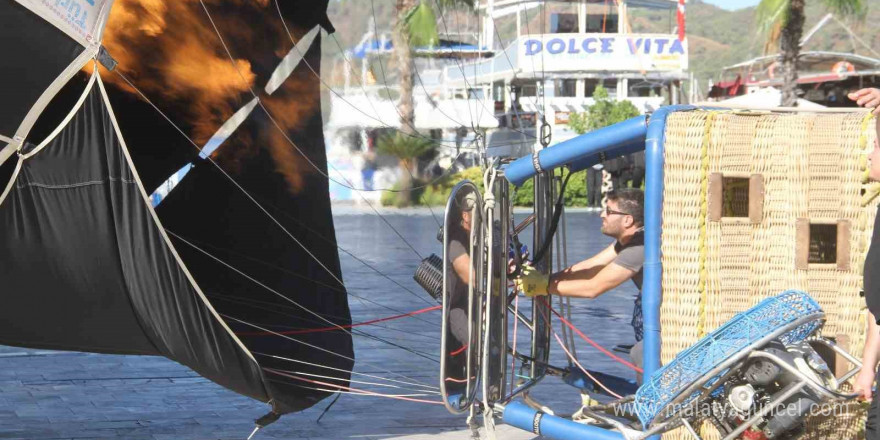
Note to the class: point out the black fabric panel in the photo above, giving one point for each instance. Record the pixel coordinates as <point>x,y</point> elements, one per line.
<point>35,54</point>
<point>86,268</point>
<point>209,211</point>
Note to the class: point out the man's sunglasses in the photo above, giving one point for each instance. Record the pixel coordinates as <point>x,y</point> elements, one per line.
<point>609,211</point>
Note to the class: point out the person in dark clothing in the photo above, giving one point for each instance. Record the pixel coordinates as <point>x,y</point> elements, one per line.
<point>460,278</point>
<point>864,382</point>
<point>594,187</point>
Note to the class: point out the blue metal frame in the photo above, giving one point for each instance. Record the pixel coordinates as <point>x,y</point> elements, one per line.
<point>642,132</point>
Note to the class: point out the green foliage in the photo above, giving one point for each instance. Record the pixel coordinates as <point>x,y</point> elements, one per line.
<point>421,26</point>
<point>603,113</point>
<point>771,16</point>
<point>575,191</point>
<point>403,147</point>
<point>435,194</point>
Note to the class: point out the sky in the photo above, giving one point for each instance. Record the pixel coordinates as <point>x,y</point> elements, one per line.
<point>733,4</point>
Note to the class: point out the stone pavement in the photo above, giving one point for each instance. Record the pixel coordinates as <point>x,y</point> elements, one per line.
<point>59,395</point>
<point>55,395</point>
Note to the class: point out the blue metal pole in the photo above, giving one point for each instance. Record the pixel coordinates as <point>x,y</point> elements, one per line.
<point>525,418</point>
<point>612,141</point>
<point>652,290</point>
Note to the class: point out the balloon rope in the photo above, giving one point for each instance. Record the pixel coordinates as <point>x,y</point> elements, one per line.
<point>354,390</point>
<point>591,342</point>
<point>327,329</point>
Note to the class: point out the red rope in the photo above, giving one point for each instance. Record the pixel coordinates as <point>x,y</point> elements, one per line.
<point>459,351</point>
<point>328,329</point>
<point>354,390</point>
<point>590,341</point>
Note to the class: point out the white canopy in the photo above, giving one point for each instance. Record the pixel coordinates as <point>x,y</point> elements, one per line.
<point>370,112</point>
<point>766,98</point>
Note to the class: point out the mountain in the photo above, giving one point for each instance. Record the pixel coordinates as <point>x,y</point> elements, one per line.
<point>720,38</point>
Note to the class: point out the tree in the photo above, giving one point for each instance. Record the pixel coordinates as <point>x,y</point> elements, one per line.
<point>415,25</point>
<point>407,150</point>
<point>603,113</point>
<point>783,23</point>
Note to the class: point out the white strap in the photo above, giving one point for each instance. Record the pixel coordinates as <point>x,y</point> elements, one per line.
<point>161,229</point>
<point>28,122</point>
<point>11,181</point>
<point>291,60</point>
<point>68,118</point>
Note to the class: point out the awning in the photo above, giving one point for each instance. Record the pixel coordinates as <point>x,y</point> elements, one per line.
<point>370,112</point>
<point>766,98</point>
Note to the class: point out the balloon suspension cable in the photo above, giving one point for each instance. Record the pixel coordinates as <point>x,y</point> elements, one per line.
<point>591,342</point>
<point>584,370</point>
<point>338,395</point>
<point>353,390</point>
<point>432,389</point>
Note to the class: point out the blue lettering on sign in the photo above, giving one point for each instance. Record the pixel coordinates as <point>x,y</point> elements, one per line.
<point>676,47</point>
<point>586,45</point>
<point>76,13</point>
<point>533,47</point>
<point>589,45</point>
<point>555,46</point>
<point>661,43</point>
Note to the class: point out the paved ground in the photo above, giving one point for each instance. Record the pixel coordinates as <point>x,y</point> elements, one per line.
<point>53,395</point>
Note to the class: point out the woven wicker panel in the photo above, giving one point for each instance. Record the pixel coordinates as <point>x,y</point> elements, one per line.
<point>812,166</point>
<point>761,278</point>
<point>682,205</point>
<point>825,154</point>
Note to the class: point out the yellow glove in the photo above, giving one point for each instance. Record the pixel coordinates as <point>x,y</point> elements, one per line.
<point>532,282</point>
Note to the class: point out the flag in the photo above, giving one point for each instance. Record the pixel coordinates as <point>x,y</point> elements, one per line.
<point>680,17</point>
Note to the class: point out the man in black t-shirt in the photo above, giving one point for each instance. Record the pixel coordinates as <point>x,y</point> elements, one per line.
<point>864,381</point>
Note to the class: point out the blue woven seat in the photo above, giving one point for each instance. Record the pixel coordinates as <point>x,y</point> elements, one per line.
<point>792,316</point>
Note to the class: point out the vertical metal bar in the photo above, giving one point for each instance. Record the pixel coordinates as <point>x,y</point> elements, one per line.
<point>495,345</point>
<point>541,306</point>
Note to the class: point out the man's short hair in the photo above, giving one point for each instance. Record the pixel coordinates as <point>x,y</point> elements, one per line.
<point>630,201</point>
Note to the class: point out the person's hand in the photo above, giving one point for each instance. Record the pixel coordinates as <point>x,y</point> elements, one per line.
<point>532,282</point>
<point>864,384</point>
<point>868,98</point>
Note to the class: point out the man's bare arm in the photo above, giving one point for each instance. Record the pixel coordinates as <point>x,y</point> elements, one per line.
<point>599,260</point>
<point>589,283</point>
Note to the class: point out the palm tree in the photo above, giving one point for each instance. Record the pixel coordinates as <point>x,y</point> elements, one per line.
<point>407,150</point>
<point>414,25</point>
<point>783,21</point>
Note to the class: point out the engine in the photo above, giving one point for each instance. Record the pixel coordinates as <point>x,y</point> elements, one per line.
<point>761,382</point>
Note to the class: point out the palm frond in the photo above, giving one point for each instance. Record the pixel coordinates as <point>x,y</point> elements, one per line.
<point>421,26</point>
<point>403,147</point>
<point>847,8</point>
<point>771,12</point>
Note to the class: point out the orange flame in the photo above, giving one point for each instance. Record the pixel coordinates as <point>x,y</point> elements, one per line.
<point>171,52</point>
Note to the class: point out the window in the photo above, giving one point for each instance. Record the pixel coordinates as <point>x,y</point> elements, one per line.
<point>605,24</point>
<point>565,88</point>
<point>823,242</point>
<point>736,197</point>
<point>564,23</point>
<point>527,90</point>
